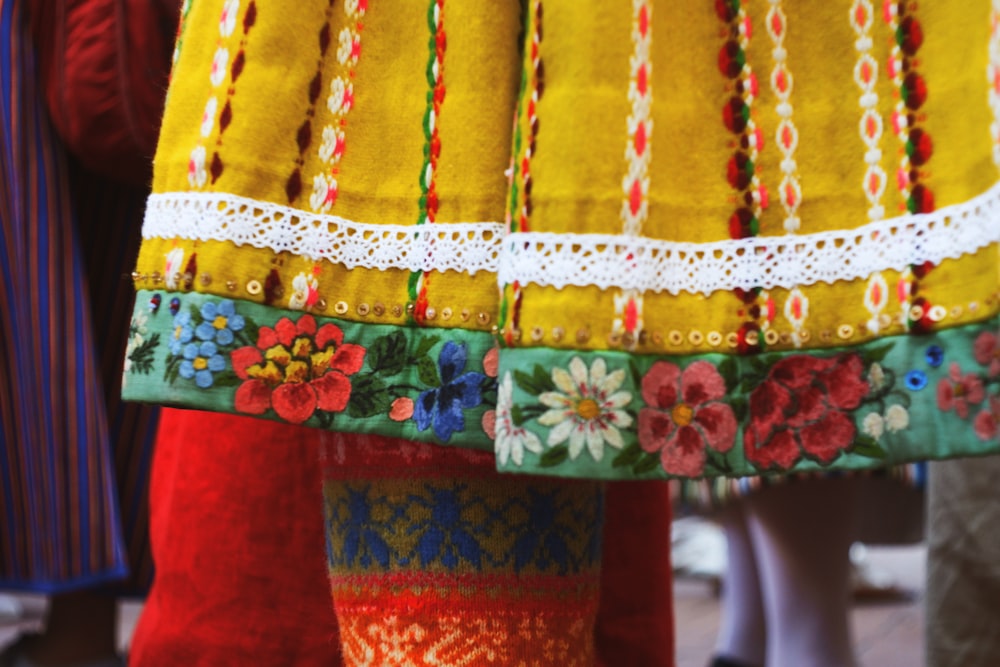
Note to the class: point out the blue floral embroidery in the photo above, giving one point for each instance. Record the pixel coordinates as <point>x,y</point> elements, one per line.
<point>442,406</point>
<point>200,361</point>
<point>183,332</point>
<point>362,542</point>
<point>219,322</point>
<point>447,536</point>
<point>916,380</point>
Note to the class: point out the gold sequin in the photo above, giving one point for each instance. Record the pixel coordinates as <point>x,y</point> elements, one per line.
<point>732,340</point>
<point>628,340</point>
<point>537,333</point>
<point>446,313</point>
<point>515,335</point>
<point>714,338</point>
<point>321,304</point>
<point>956,312</point>
<point>825,335</point>
<point>410,308</point>
<point>254,287</point>
<point>582,335</point>
<point>340,307</point>
<point>916,312</point>
<point>430,314</point>
<point>378,309</point>
<point>786,337</point>
<point>558,333</point>
<point>845,331</point>
<point>614,338</point>
<point>483,318</point>
<point>206,279</point>
<point>397,310</point>
<point>465,315</point>
<point>753,338</point>
<point>657,338</point>
<point>973,307</point>
<point>231,285</point>
<point>696,337</point>
<point>675,337</point>
<point>771,337</point>
<point>804,335</point>
<point>156,277</point>
<point>884,321</point>
<point>937,313</point>
<point>364,309</point>
<point>135,276</point>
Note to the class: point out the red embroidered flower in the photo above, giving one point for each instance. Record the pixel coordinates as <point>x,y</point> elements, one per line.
<point>987,422</point>
<point>987,352</point>
<point>802,408</point>
<point>957,392</point>
<point>684,416</point>
<point>296,369</point>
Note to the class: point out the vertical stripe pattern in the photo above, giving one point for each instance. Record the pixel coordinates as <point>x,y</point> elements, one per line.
<point>62,526</point>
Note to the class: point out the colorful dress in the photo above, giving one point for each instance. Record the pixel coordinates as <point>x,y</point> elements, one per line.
<point>719,239</point>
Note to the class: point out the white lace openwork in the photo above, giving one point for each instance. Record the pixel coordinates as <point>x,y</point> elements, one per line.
<point>607,261</point>
<point>651,265</point>
<point>207,216</point>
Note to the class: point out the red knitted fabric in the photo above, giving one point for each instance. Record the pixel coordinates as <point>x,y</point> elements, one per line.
<point>237,538</point>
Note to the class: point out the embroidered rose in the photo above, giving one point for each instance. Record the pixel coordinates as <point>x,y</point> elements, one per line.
<point>510,439</point>
<point>957,392</point>
<point>196,168</point>
<point>987,422</point>
<point>685,416</point>
<point>587,409</point>
<point>442,407</point>
<point>986,350</point>
<point>219,63</point>
<point>802,408</point>
<point>296,369</point>
<point>208,116</point>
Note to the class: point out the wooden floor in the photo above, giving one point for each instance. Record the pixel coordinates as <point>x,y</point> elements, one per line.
<point>887,632</point>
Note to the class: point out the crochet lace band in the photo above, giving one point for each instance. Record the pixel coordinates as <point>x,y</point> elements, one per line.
<point>604,260</point>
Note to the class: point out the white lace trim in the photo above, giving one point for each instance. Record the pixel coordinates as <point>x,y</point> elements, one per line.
<point>650,265</point>
<point>604,260</point>
<point>205,216</point>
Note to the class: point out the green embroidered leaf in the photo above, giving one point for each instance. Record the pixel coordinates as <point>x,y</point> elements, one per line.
<point>716,462</point>
<point>369,397</point>
<point>425,345</point>
<point>387,355</point>
<point>142,356</point>
<point>555,456</point>
<point>749,383</point>
<point>647,463</point>
<point>226,379</point>
<point>171,368</point>
<point>627,456</point>
<point>875,354</point>
<point>729,372</point>
<point>636,375</point>
<point>536,383</point>
<point>517,415</point>
<point>250,331</point>
<point>867,446</point>
<point>427,371</point>
<point>740,408</point>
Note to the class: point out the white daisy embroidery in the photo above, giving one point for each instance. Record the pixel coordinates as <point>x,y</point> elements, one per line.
<point>587,408</point>
<point>511,439</point>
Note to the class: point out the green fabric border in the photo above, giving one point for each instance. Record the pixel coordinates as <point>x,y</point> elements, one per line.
<point>909,375</point>
<point>402,369</point>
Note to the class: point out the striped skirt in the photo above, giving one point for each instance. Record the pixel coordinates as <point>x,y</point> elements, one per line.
<point>73,460</point>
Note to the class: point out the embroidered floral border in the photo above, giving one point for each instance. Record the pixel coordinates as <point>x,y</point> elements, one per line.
<point>608,415</point>
<point>215,354</point>
<point>615,416</point>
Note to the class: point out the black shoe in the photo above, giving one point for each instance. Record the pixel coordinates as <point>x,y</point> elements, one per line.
<point>723,661</point>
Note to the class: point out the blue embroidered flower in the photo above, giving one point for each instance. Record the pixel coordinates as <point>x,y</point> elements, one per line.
<point>183,332</point>
<point>442,407</point>
<point>916,380</point>
<point>220,321</point>
<point>200,361</point>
